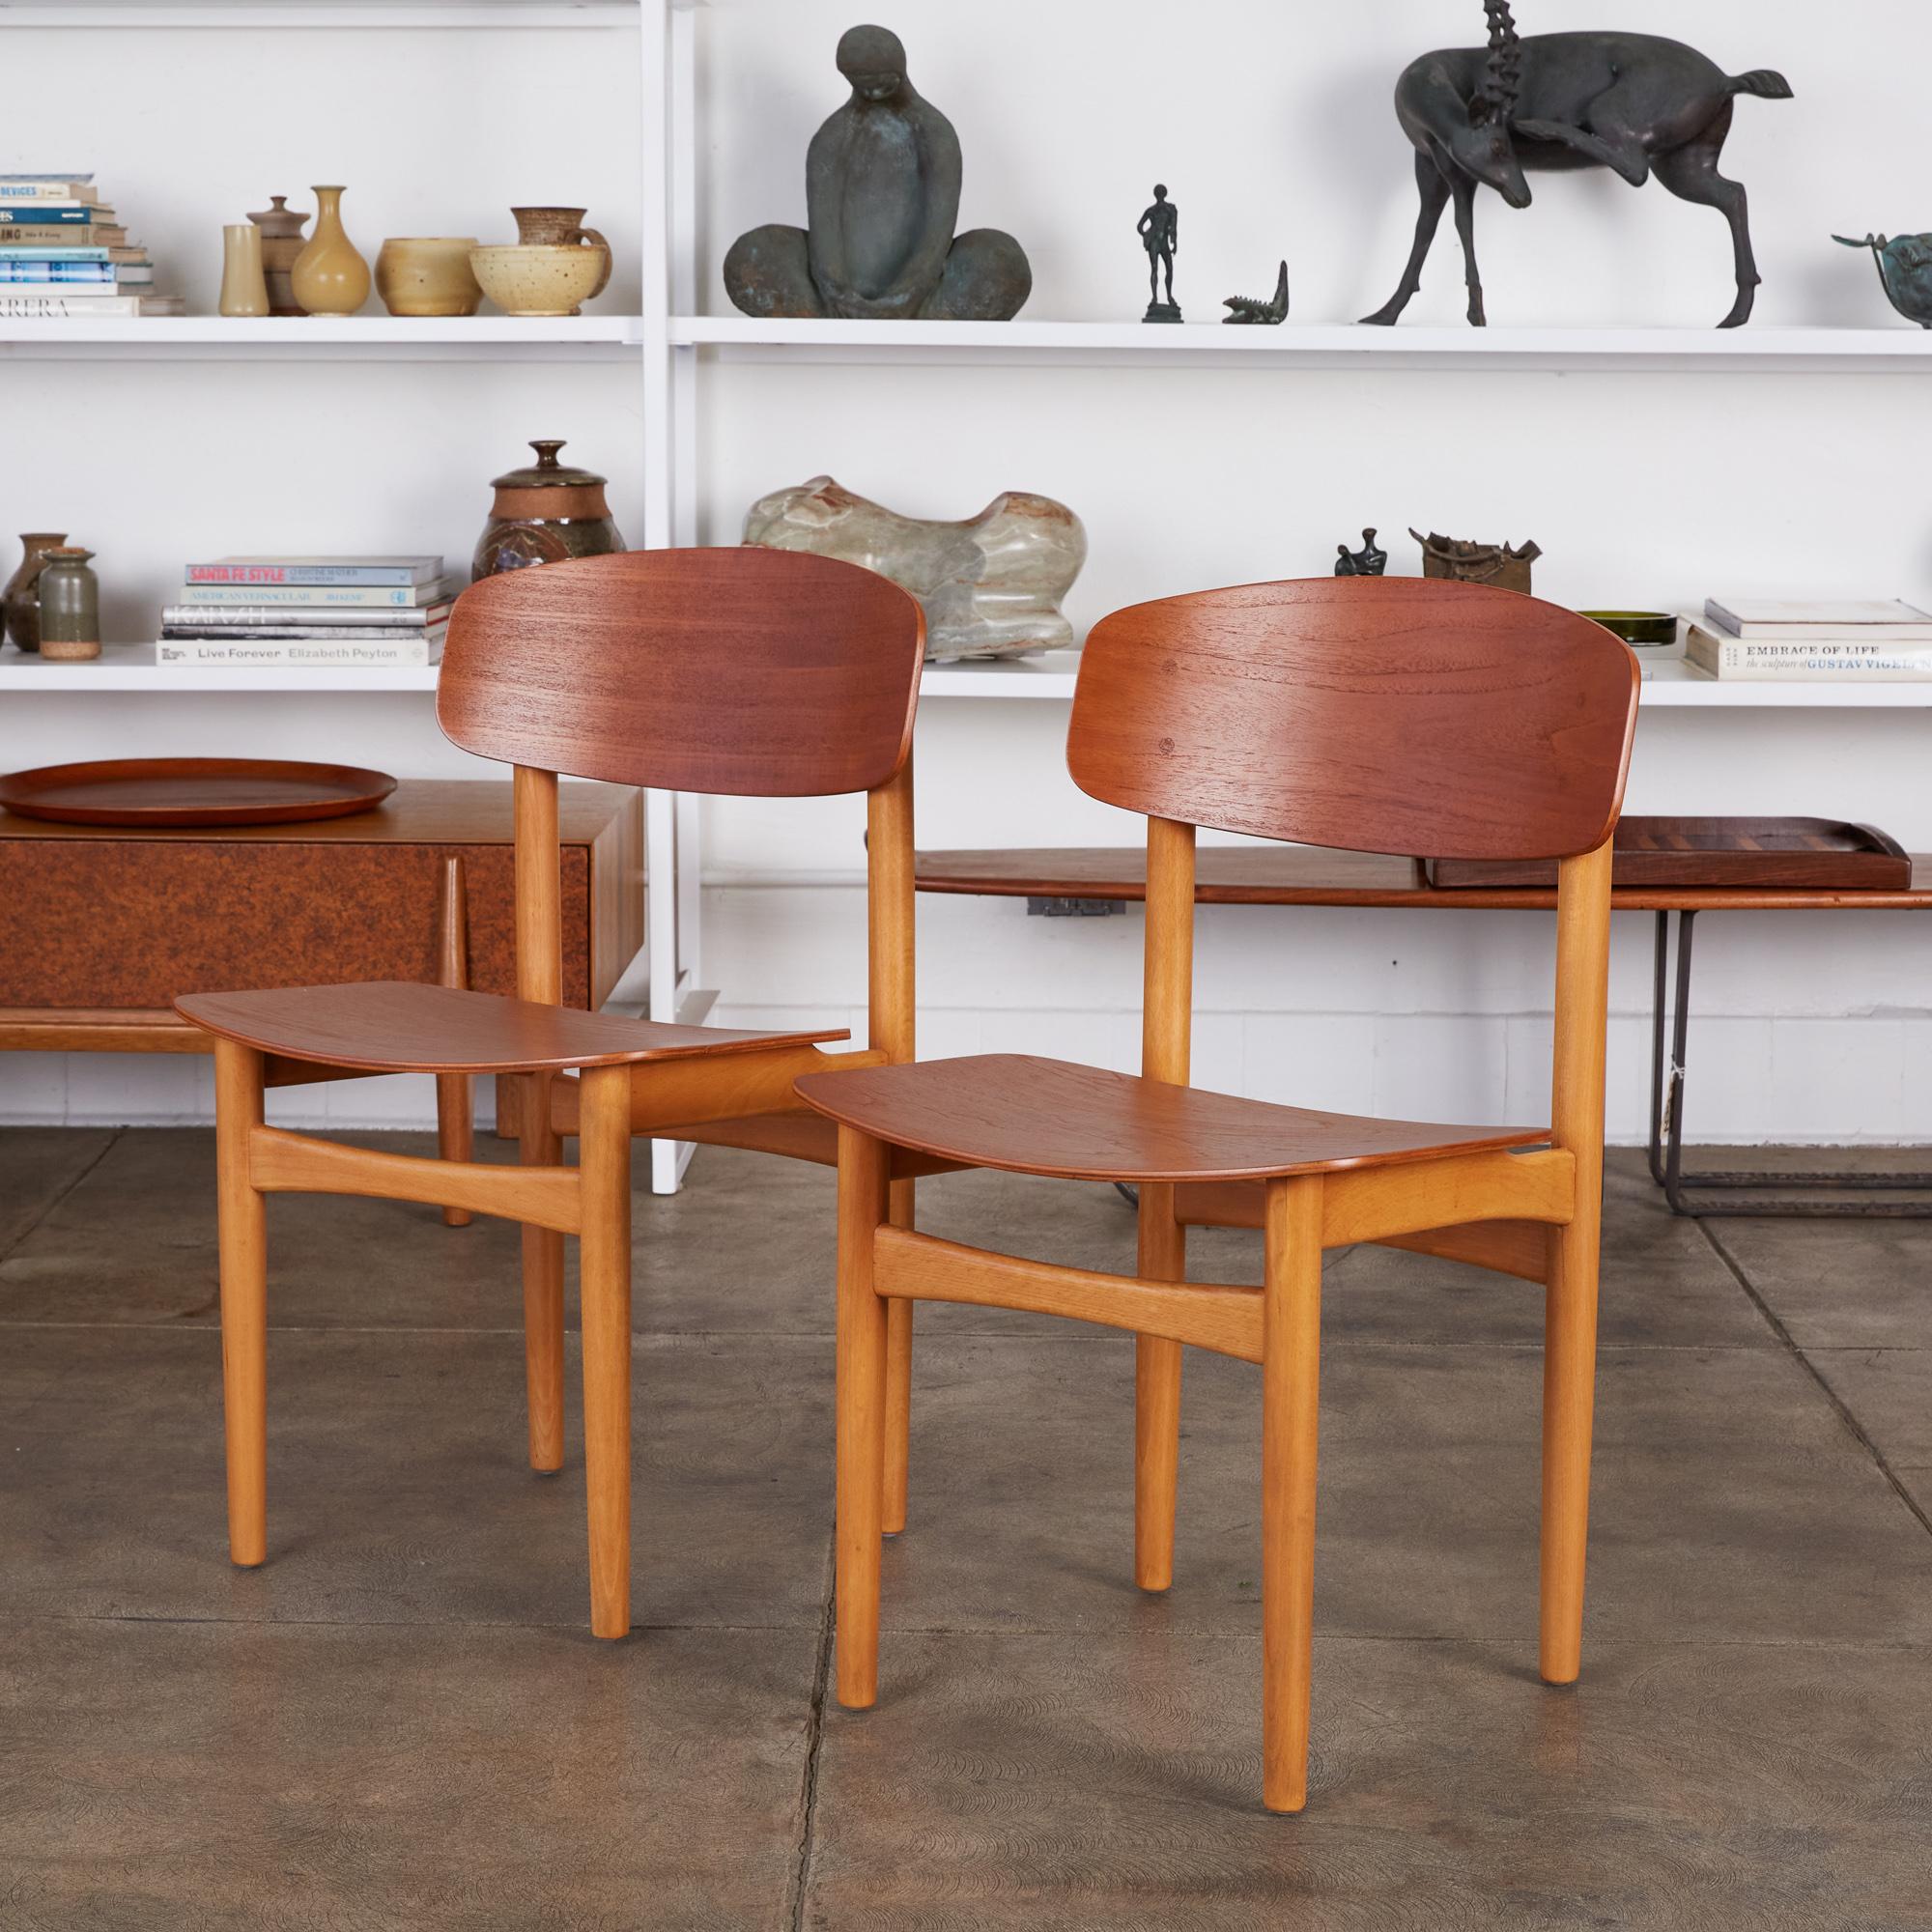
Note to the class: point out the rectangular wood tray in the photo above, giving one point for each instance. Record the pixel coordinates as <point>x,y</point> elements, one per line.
<point>1742,852</point>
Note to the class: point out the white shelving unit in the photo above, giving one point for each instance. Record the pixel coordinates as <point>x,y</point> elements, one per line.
<point>388,338</point>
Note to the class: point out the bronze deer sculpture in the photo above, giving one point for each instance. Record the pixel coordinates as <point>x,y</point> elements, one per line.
<point>1631,103</point>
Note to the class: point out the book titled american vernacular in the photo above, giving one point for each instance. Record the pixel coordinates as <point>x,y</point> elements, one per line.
<point>400,654</point>
<point>17,189</point>
<point>1815,620</point>
<point>295,618</point>
<point>318,570</point>
<point>1839,660</point>
<point>380,600</point>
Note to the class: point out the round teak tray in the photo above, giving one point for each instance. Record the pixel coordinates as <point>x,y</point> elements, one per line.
<point>192,791</point>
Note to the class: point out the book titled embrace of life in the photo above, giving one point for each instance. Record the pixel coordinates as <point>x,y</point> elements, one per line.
<point>1819,621</point>
<point>414,653</point>
<point>373,571</point>
<point>295,618</point>
<point>1832,659</point>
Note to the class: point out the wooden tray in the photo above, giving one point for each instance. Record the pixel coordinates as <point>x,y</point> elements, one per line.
<point>192,791</point>
<point>1742,852</point>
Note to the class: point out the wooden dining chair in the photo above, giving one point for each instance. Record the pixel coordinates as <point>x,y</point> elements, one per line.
<point>1384,715</point>
<point>736,672</point>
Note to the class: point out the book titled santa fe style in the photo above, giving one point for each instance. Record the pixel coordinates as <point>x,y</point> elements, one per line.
<point>373,571</point>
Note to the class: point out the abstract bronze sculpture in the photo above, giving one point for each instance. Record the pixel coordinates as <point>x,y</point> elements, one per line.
<point>1367,561</point>
<point>1626,101</point>
<point>1254,309</point>
<point>990,586</point>
<point>1160,230</point>
<point>1464,562</point>
<point>1905,269</point>
<point>881,197</point>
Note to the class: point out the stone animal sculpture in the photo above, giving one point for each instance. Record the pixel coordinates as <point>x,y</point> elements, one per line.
<point>1631,103</point>
<point>881,197</point>
<point>1253,308</point>
<point>990,586</point>
<point>1905,269</point>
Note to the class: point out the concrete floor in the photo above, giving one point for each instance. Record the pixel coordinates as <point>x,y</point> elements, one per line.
<point>402,1722</point>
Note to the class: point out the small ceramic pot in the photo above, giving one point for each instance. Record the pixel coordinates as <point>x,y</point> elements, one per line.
<point>282,244</point>
<point>547,513</point>
<point>22,598</point>
<point>427,274</point>
<point>539,281</point>
<point>70,606</point>
<point>245,285</point>
<point>330,277</point>
<point>561,228</point>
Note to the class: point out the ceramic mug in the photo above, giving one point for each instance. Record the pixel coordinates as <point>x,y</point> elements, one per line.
<point>562,228</point>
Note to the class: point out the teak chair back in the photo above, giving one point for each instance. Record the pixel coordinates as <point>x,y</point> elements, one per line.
<point>726,670</point>
<point>1398,715</point>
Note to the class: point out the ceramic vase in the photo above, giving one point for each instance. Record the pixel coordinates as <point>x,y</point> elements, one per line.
<point>544,513</point>
<point>562,228</point>
<point>245,285</point>
<point>282,244</point>
<point>330,277</point>
<point>427,274</point>
<point>70,606</point>
<point>22,598</point>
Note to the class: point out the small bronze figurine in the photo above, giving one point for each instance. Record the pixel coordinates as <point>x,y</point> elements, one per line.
<point>1905,269</point>
<point>1252,309</point>
<point>1367,561</point>
<point>1160,230</point>
<point>1466,562</point>
<point>1631,103</point>
<point>881,197</point>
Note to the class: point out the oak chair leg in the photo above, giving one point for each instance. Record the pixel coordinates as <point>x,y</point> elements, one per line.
<point>455,1133</point>
<point>1291,1385</point>
<point>604,1169</point>
<point>537,1146</point>
<point>244,1301</point>
<point>864,1204</point>
<point>1162,1256</point>
<point>899,1386</point>
<point>1569,1400</point>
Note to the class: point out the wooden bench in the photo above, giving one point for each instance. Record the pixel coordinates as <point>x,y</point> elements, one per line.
<point>1097,879</point>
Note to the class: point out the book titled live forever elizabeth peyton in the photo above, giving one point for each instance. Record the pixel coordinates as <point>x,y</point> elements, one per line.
<point>317,570</point>
<point>1819,621</point>
<point>326,654</point>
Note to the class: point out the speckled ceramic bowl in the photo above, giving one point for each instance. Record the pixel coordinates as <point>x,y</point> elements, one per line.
<point>527,281</point>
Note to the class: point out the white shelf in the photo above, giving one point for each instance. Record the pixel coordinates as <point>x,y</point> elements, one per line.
<point>230,15</point>
<point>126,667</point>
<point>369,338</point>
<point>1051,674</point>
<point>1293,344</point>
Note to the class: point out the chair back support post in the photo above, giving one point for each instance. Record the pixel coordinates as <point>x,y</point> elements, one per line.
<point>539,907</point>
<point>889,902</point>
<point>1167,997</point>
<point>1582,1012</point>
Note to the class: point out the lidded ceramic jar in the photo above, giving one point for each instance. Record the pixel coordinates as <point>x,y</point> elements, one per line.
<point>70,606</point>
<point>282,244</point>
<point>544,513</point>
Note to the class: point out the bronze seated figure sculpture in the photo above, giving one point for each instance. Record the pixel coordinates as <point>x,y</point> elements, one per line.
<point>881,197</point>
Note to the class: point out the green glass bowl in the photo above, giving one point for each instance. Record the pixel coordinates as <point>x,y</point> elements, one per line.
<point>1637,627</point>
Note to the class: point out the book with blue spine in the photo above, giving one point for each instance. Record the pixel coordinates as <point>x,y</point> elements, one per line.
<point>98,273</point>
<point>22,252</point>
<point>318,596</point>
<point>317,570</point>
<point>51,214</point>
<point>15,188</point>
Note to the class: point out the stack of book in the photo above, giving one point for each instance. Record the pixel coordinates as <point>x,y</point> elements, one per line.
<point>309,612</point>
<point>64,257</point>
<point>1763,639</point>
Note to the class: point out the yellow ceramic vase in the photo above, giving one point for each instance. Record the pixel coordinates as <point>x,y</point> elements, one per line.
<point>244,287</point>
<point>331,278</point>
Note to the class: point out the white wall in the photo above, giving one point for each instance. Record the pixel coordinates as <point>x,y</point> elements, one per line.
<point>1272,126</point>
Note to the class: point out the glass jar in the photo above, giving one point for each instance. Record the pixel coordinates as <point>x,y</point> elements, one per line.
<point>70,606</point>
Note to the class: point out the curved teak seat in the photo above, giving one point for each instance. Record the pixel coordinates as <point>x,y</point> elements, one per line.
<point>394,1026</point>
<point>1380,715</point>
<point>1056,1118</point>
<point>739,672</point>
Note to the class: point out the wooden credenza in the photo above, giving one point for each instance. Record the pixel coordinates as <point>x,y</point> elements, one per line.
<point>104,926</point>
